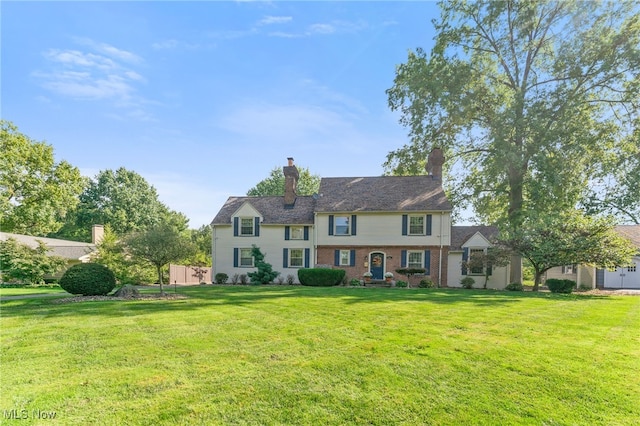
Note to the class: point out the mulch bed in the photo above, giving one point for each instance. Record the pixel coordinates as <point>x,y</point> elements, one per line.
<point>158,296</point>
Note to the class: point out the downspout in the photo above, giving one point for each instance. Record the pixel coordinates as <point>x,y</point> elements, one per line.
<point>213,249</point>
<point>440,257</point>
<point>315,238</point>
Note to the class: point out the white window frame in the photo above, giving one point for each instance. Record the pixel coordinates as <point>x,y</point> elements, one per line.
<point>345,257</point>
<point>346,219</point>
<point>294,259</point>
<point>243,226</point>
<point>410,225</point>
<point>296,233</point>
<point>474,270</point>
<point>240,258</point>
<point>415,254</point>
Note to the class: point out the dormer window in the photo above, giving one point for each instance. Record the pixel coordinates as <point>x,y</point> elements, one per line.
<point>246,226</point>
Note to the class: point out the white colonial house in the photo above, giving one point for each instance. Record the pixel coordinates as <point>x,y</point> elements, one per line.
<point>360,224</point>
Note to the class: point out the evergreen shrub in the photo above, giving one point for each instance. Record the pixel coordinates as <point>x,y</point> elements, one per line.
<point>514,287</point>
<point>320,277</point>
<point>560,286</point>
<point>221,278</point>
<point>426,283</point>
<point>88,279</point>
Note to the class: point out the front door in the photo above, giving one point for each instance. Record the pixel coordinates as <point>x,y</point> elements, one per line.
<point>376,260</point>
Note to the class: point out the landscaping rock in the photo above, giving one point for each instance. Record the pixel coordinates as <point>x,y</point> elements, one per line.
<point>127,291</point>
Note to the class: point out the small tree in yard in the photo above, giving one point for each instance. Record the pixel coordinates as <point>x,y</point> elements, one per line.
<point>493,257</point>
<point>160,245</point>
<point>564,239</point>
<point>265,273</point>
<point>25,264</point>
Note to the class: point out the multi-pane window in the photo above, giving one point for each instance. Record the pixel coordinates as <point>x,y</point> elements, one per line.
<point>631,268</point>
<point>296,258</point>
<point>246,226</point>
<point>345,257</point>
<point>296,233</point>
<point>414,259</point>
<point>246,260</point>
<point>416,225</point>
<point>341,225</point>
<point>475,254</point>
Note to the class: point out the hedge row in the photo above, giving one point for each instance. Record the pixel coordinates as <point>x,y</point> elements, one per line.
<point>321,277</point>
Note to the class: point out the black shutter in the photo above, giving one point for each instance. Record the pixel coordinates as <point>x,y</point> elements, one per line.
<point>236,255</point>
<point>429,223</point>
<point>403,259</point>
<point>465,257</point>
<point>353,224</point>
<point>336,258</point>
<point>352,260</point>
<point>285,258</point>
<point>405,221</point>
<point>330,224</point>
<point>286,233</point>
<point>306,233</point>
<point>307,255</point>
<point>427,262</point>
<point>235,226</point>
<point>256,226</point>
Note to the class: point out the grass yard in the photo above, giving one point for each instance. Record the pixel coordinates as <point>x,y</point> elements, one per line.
<point>300,355</point>
<point>27,291</point>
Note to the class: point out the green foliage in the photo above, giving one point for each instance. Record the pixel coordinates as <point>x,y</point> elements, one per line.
<point>291,279</point>
<point>567,238</point>
<point>159,245</point>
<point>88,279</point>
<point>308,184</point>
<point>24,264</point>
<point>320,277</point>
<point>111,252</point>
<point>354,282</point>
<point>265,273</point>
<point>201,239</point>
<point>467,282</point>
<point>426,283</point>
<point>514,287</point>
<point>221,278</point>
<point>402,284</point>
<point>560,286</point>
<point>584,287</point>
<point>493,257</point>
<point>534,100</point>
<point>36,193</point>
<point>122,199</point>
<point>244,279</point>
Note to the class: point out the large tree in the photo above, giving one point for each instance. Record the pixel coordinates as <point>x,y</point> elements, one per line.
<point>159,245</point>
<point>24,264</point>
<point>122,199</point>
<point>308,184</point>
<point>36,193</point>
<point>567,238</point>
<point>530,100</point>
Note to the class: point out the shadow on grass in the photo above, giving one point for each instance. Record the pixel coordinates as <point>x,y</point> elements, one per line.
<point>208,297</point>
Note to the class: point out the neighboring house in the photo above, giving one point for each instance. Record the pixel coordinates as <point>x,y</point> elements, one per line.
<point>622,277</point>
<point>73,251</point>
<point>359,224</point>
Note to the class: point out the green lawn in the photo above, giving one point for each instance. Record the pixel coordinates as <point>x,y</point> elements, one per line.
<point>298,355</point>
<point>27,291</point>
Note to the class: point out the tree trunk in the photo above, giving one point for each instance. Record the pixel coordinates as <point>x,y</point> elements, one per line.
<point>536,283</point>
<point>516,202</point>
<point>160,279</point>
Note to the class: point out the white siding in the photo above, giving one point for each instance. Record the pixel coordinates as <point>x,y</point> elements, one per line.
<point>384,229</point>
<point>271,242</point>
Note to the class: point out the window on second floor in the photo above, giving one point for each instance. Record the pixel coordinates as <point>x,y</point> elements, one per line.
<point>246,226</point>
<point>296,233</point>
<point>342,225</point>
<point>416,225</point>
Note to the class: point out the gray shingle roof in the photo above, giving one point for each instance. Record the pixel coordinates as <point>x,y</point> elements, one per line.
<point>460,234</point>
<point>381,194</point>
<point>271,208</point>
<point>63,248</point>
<point>632,232</point>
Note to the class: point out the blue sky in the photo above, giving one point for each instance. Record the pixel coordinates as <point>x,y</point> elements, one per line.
<point>203,99</point>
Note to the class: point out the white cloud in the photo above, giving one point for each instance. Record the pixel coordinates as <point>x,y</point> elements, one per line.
<point>270,20</point>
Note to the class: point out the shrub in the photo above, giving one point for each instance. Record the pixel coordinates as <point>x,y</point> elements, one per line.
<point>467,282</point>
<point>235,278</point>
<point>585,287</point>
<point>221,278</point>
<point>560,286</point>
<point>402,284</point>
<point>426,283</point>
<point>320,277</point>
<point>354,282</point>
<point>291,279</point>
<point>514,287</point>
<point>88,279</point>
<point>265,273</point>
<point>243,278</point>
<point>280,279</point>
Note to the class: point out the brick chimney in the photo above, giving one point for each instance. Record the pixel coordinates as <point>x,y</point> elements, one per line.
<point>291,177</point>
<point>434,164</point>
